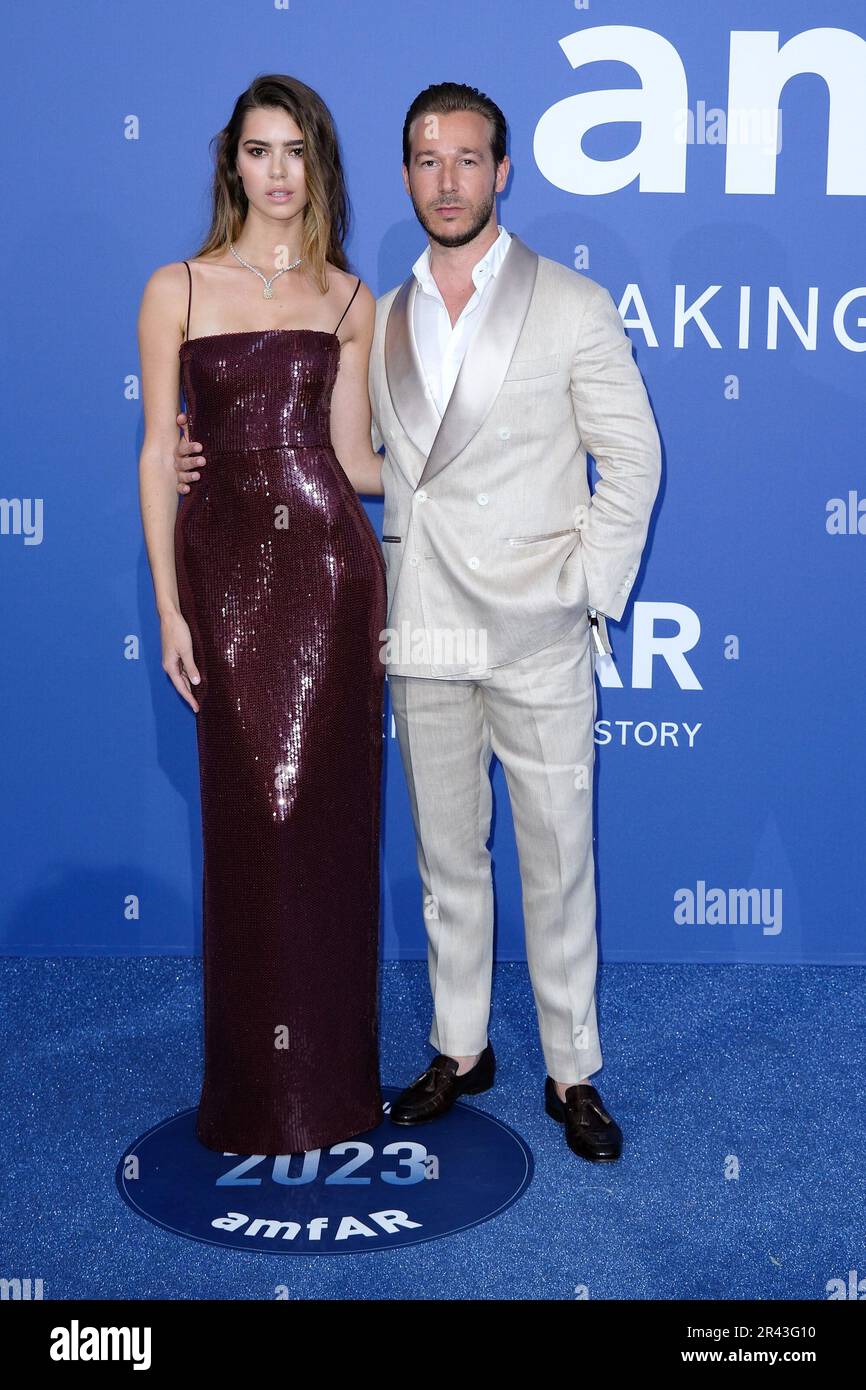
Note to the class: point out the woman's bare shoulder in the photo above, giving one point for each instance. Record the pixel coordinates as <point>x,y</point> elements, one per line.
<point>168,287</point>
<point>344,280</point>
<point>169,276</point>
<point>174,273</point>
<point>166,284</point>
<point>342,284</point>
<point>165,297</point>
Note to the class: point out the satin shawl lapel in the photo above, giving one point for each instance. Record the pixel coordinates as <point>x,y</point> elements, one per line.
<point>482,371</point>
<point>417,414</point>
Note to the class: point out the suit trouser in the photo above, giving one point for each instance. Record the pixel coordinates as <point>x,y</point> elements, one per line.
<point>537,715</point>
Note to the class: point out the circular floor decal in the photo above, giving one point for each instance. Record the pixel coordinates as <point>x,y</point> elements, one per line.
<point>393,1185</point>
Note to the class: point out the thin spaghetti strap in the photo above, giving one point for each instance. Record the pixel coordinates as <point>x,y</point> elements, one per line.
<point>350,303</point>
<point>189,298</point>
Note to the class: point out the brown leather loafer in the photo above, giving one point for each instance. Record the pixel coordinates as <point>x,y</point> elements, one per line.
<point>436,1089</point>
<point>589,1130</point>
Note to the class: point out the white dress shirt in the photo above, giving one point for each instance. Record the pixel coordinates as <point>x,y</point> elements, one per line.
<point>442,348</point>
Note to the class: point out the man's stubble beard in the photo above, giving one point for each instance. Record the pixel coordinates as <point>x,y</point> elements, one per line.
<point>461,238</point>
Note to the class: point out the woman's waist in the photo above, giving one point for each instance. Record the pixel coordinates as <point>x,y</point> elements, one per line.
<point>238,437</point>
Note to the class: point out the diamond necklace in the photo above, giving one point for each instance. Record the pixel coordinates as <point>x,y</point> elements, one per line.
<point>268,294</point>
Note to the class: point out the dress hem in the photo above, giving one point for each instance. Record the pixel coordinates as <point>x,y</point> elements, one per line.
<point>295,1144</point>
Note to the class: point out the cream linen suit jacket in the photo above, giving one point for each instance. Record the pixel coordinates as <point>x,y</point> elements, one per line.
<point>489,522</point>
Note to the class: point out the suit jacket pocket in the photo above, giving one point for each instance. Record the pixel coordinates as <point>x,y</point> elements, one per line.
<point>523,368</point>
<point>541,536</point>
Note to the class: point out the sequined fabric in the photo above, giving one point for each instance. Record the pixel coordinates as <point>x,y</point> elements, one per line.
<point>282,582</point>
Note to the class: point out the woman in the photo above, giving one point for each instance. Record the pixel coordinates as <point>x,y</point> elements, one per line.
<point>270,587</point>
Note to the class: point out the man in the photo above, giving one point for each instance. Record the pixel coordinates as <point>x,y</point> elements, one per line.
<point>493,371</point>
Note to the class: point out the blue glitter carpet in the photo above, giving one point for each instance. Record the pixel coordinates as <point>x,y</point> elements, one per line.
<point>739,1090</point>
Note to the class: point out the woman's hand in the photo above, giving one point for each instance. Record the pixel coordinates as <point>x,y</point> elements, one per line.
<point>177,657</point>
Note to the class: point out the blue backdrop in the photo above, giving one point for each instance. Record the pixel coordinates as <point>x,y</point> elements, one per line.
<point>730,741</point>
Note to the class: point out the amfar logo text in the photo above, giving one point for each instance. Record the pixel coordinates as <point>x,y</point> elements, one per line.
<point>650,645</point>
<point>758,71</point>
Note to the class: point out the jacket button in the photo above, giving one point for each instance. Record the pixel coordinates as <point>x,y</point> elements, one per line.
<point>413,559</point>
<point>505,432</point>
<point>473,562</point>
<point>482,499</point>
<point>422,496</point>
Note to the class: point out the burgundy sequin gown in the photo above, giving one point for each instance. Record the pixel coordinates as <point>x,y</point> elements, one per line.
<point>282,582</point>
